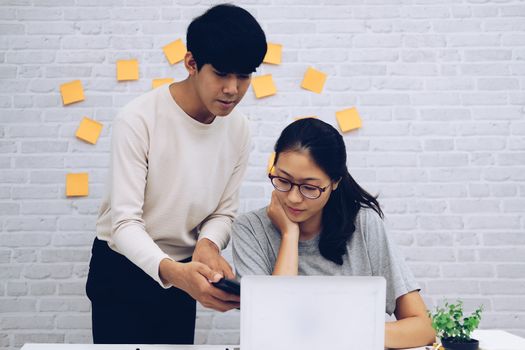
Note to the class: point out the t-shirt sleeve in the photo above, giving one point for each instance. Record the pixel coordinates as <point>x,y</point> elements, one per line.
<point>386,260</point>
<point>250,256</point>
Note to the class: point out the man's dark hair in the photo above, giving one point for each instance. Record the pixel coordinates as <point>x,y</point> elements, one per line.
<point>227,37</point>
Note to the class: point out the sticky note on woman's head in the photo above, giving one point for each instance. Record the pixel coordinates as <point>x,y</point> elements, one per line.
<point>72,92</point>
<point>271,160</point>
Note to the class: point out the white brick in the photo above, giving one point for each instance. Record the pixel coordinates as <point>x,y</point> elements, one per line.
<point>17,305</point>
<point>39,14</point>
<point>60,255</point>
<point>376,41</point>
<point>86,14</point>
<point>505,239</point>
<point>24,322</point>
<point>29,224</point>
<point>427,206</point>
<point>23,256</point>
<point>485,69</point>
<point>24,338</point>
<point>64,305</point>
<point>86,42</point>
<point>35,42</point>
<point>440,222</point>
<point>19,239</point>
<point>493,222</point>
<point>72,288</point>
<point>43,288</point>
<point>434,239</point>
<point>510,270</point>
<point>453,287</point>
<point>472,40</point>
<point>456,26</point>
<point>17,289</point>
<point>468,271</point>
<point>50,28</point>
<point>46,271</point>
<point>443,160</point>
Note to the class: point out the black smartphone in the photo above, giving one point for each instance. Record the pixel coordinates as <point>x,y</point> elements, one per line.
<point>229,286</point>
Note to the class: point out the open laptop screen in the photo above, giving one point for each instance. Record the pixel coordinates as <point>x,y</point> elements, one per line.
<point>312,313</point>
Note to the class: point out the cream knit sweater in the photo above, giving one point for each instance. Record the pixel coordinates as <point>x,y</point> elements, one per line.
<point>173,180</point>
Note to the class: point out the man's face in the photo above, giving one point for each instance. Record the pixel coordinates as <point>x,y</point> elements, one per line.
<point>220,92</point>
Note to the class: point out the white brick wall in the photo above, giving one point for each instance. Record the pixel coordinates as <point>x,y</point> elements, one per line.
<point>439,85</point>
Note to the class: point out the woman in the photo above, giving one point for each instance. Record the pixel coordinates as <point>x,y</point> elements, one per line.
<point>321,222</point>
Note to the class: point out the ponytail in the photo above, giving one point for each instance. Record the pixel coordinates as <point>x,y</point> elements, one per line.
<point>339,216</point>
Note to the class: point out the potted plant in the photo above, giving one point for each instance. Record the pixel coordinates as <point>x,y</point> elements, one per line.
<point>453,328</point>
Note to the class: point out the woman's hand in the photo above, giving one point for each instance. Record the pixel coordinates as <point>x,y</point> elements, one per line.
<point>287,262</point>
<point>279,218</point>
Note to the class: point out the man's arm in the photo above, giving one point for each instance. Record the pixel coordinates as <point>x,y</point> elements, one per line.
<point>215,230</point>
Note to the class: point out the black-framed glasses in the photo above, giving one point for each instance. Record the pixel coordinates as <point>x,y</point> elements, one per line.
<point>284,185</point>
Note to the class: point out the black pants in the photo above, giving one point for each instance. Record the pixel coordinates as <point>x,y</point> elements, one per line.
<point>130,307</point>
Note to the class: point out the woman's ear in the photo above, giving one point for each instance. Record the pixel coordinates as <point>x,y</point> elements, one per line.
<point>335,185</point>
<point>190,63</point>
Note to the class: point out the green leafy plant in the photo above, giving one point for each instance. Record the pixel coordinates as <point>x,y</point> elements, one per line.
<point>449,322</point>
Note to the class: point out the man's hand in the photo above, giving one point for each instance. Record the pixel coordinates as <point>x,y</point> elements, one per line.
<point>195,279</point>
<point>208,253</point>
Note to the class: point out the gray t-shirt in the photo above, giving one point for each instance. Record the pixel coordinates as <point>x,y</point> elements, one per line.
<point>369,252</point>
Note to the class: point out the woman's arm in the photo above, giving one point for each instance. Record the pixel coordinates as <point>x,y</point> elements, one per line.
<point>287,263</point>
<point>413,326</point>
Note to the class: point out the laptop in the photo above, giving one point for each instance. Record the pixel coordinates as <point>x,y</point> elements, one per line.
<point>312,313</point>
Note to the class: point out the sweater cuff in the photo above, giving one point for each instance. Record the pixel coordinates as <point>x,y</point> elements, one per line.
<point>141,250</point>
<point>216,231</point>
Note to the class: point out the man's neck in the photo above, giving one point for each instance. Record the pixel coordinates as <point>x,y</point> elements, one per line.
<point>184,94</point>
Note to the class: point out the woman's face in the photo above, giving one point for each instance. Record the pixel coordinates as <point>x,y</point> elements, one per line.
<point>300,168</point>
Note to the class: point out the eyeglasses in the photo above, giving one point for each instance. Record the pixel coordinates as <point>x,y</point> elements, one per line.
<point>284,185</point>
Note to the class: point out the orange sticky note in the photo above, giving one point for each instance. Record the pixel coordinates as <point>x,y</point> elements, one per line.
<point>89,130</point>
<point>311,116</point>
<point>273,54</point>
<point>313,80</point>
<point>348,119</point>
<point>270,162</point>
<point>72,92</point>
<point>77,185</point>
<point>127,70</point>
<point>263,86</point>
<point>175,51</point>
<point>161,81</point>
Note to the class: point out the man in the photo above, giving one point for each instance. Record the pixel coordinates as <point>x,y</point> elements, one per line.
<point>178,156</point>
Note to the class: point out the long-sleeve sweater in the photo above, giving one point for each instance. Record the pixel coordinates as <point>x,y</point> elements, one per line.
<point>173,181</point>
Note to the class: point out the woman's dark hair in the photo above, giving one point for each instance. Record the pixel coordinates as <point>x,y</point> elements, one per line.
<point>326,147</point>
<point>227,37</point>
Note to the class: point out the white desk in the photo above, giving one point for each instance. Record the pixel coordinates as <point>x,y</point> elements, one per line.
<point>488,340</point>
